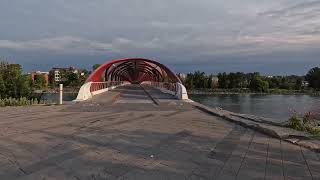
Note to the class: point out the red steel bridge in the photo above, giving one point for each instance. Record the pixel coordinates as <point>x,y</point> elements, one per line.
<point>120,72</point>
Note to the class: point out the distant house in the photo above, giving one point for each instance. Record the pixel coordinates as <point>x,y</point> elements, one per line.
<point>55,74</point>
<point>305,84</point>
<point>182,76</point>
<point>34,75</point>
<point>215,81</point>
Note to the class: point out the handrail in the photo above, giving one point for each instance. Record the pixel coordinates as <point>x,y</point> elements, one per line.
<point>96,86</point>
<point>168,86</point>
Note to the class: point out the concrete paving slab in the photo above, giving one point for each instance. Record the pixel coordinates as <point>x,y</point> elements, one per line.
<point>102,139</point>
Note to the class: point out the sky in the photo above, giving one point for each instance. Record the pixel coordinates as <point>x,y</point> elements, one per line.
<point>275,37</point>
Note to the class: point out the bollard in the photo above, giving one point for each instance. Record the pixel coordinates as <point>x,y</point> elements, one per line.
<point>61,94</point>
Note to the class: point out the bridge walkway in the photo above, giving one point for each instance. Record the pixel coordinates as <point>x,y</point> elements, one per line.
<point>124,134</point>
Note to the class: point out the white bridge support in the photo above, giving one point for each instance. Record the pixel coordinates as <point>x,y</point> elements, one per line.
<point>181,92</point>
<point>84,92</point>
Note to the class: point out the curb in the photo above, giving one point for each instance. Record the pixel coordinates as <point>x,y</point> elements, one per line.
<point>271,129</point>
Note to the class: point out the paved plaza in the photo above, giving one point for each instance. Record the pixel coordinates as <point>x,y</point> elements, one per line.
<point>135,132</point>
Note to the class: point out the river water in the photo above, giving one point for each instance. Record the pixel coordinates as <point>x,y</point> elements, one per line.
<point>277,107</point>
<point>54,97</point>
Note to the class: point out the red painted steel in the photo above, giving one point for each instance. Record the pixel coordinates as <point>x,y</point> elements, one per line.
<point>134,70</point>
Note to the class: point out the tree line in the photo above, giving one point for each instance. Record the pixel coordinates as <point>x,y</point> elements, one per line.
<point>13,83</point>
<point>252,81</point>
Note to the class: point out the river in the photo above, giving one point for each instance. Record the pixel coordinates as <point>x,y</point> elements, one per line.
<point>54,97</point>
<point>277,107</point>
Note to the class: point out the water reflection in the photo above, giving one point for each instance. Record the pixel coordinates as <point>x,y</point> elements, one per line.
<point>51,98</point>
<point>278,107</point>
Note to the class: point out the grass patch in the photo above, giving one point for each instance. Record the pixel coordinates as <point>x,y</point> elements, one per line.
<point>19,102</point>
<point>307,123</point>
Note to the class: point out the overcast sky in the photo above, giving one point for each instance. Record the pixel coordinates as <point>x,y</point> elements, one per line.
<point>270,36</point>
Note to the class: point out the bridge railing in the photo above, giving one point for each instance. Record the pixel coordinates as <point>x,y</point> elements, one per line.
<point>167,86</point>
<point>175,89</point>
<point>97,86</point>
<point>90,89</point>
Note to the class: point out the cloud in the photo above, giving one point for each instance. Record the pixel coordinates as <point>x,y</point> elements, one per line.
<point>65,44</point>
<point>169,29</point>
<point>301,8</point>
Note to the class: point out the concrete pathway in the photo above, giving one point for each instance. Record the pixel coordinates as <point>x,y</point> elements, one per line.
<point>136,133</point>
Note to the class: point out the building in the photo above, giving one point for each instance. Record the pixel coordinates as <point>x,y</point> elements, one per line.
<point>305,84</point>
<point>182,76</point>
<point>34,75</point>
<point>56,74</point>
<point>215,81</point>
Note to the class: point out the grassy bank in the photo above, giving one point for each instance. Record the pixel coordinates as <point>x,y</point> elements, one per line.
<point>308,123</point>
<point>20,102</point>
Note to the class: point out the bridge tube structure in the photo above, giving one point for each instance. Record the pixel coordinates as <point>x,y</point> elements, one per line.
<point>119,72</point>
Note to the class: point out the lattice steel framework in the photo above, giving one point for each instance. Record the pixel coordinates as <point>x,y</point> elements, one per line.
<point>133,70</point>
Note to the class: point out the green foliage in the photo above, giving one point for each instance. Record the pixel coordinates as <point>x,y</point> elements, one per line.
<point>295,122</point>
<point>285,82</point>
<point>240,81</point>
<point>258,85</point>
<point>71,79</point>
<point>94,67</point>
<point>223,80</point>
<point>313,77</point>
<point>198,80</point>
<point>12,83</point>
<point>305,123</point>
<point>39,82</point>
<point>24,87</point>
<point>23,101</point>
<point>2,87</point>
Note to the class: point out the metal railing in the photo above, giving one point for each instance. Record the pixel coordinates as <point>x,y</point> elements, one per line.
<point>164,85</point>
<point>96,86</point>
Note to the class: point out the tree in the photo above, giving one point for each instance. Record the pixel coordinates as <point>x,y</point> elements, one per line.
<point>12,82</point>
<point>274,82</point>
<point>39,81</point>
<point>94,67</point>
<point>189,81</point>
<point>313,77</point>
<point>2,87</point>
<point>23,85</point>
<point>298,83</point>
<point>223,80</point>
<point>11,76</point>
<point>71,79</point>
<point>258,85</point>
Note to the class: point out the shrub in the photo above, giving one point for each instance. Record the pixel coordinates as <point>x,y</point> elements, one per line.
<point>295,122</point>
<point>306,122</point>
<point>23,101</point>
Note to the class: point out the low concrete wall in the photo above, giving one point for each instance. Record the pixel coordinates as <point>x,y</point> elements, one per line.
<point>84,92</point>
<point>272,129</point>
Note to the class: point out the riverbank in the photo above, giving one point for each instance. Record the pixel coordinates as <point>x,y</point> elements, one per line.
<point>274,129</point>
<point>248,91</point>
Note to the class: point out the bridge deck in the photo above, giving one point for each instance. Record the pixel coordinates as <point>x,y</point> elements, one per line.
<point>136,133</point>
